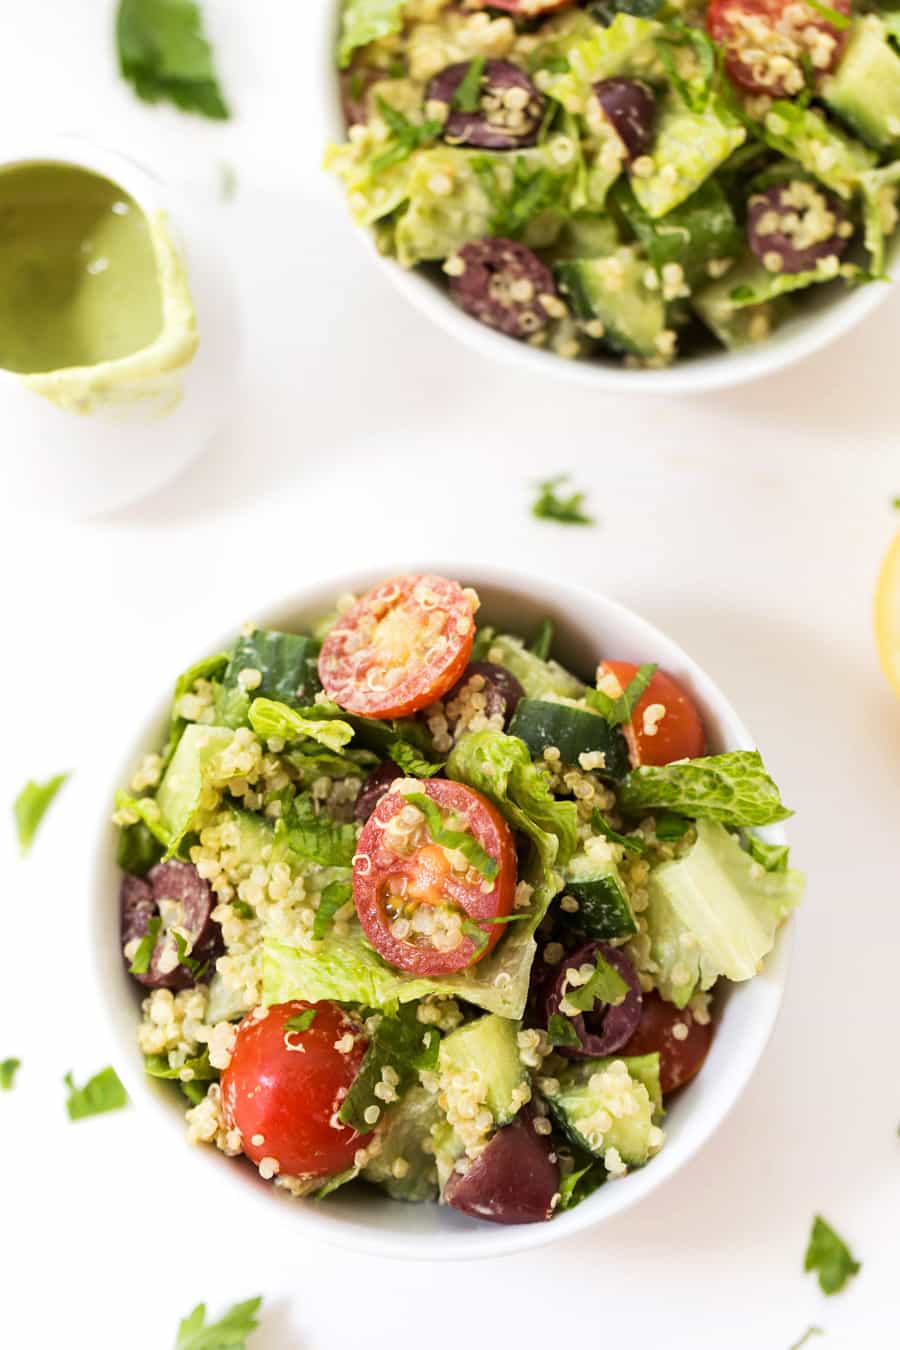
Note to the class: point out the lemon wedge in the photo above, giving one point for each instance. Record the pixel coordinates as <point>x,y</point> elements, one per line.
<point>887,613</point>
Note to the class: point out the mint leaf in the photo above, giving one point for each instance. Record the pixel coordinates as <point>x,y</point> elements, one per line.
<point>163,54</point>
<point>830,1257</point>
<point>605,986</point>
<point>31,805</point>
<point>466,843</point>
<point>408,759</point>
<point>302,1021</point>
<point>627,841</point>
<point>733,788</point>
<point>467,95</point>
<point>229,1333</point>
<point>550,504</point>
<point>103,1092</point>
<point>334,897</point>
<point>560,1031</point>
<point>8,1070</point>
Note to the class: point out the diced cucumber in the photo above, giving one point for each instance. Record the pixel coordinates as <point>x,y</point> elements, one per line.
<point>541,724</point>
<point>405,1128</point>
<point>864,90</point>
<point>613,290</point>
<point>488,1049</point>
<point>536,676</point>
<point>178,795</point>
<point>604,910</point>
<point>586,236</point>
<point>699,231</point>
<point>730,306</point>
<point>688,148</point>
<point>611,1103</point>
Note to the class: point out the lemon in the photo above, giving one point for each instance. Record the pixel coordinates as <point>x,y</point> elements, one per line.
<point>887,614</point>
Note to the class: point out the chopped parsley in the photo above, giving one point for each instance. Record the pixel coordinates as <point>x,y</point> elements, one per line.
<point>8,1069</point>
<point>242,909</point>
<point>164,54</point>
<point>605,986</point>
<point>229,1333</point>
<point>197,968</point>
<point>407,136</point>
<point>141,961</point>
<point>301,1021</point>
<point>103,1092</point>
<point>31,805</point>
<point>694,93</point>
<point>542,641</point>
<point>560,1031</point>
<point>632,842</point>
<point>807,1337</point>
<point>566,509</point>
<point>830,1257</point>
<point>531,192</point>
<point>467,96</point>
<point>465,843</point>
<point>618,711</point>
<point>832,16</point>
<point>400,1043</point>
<point>334,897</point>
<point>411,762</point>
<point>895,503</point>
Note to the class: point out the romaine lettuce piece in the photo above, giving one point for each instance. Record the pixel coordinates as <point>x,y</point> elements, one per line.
<point>728,306</point>
<point>179,795</point>
<point>269,719</point>
<point>285,664</point>
<point>835,159</point>
<point>880,194</point>
<point>371,196</point>
<point>626,47</point>
<point>733,788</point>
<point>364,21</point>
<point>713,912</point>
<point>689,146</point>
<point>699,231</point>
<point>210,668</point>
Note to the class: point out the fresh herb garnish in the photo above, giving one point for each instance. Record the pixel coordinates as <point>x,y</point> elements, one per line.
<point>467,95</point>
<point>197,968</point>
<point>408,136</point>
<point>229,1333</point>
<point>140,963</point>
<point>103,1092</point>
<point>465,843</point>
<point>164,54</point>
<point>833,16</point>
<point>316,837</point>
<point>695,94</point>
<point>507,918</point>
<point>30,806</point>
<point>620,710</point>
<point>632,842</point>
<point>301,1021</point>
<point>542,641</point>
<point>158,1066</point>
<point>399,1042</point>
<point>830,1257</point>
<point>669,827</point>
<point>733,788</point>
<point>242,909</point>
<point>581,1182</point>
<point>412,763</point>
<point>560,1031</point>
<point>807,1337</point>
<point>8,1069</point>
<point>476,935</point>
<point>605,986</point>
<point>896,503</point>
<point>531,192</point>
<point>550,504</point>
<point>335,895</point>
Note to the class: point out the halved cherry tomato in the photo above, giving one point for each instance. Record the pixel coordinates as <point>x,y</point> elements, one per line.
<point>417,900</point>
<point>681,1053</point>
<point>767,43</point>
<point>283,1088</point>
<point>400,647</point>
<point>677,734</point>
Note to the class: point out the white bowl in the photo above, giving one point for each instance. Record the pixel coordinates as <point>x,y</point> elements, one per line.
<point>78,464</point>
<point>588,627</point>
<point>820,320</point>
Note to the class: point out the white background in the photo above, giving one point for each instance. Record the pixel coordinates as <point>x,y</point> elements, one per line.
<point>748,524</point>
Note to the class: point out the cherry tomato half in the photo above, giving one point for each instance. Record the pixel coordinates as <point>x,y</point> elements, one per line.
<point>676,734</point>
<point>767,43</point>
<point>417,899</point>
<point>681,1052</point>
<point>400,647</point>
<point>283,1088</point>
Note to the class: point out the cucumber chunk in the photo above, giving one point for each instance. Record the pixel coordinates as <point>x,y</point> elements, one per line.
<point>864,91</point>
<point>604,910</point>
<point>573,731</point>
<point>406,1127</point>
<point>488,1049</point>
<point>613,290</point>
<point>612,1103</point>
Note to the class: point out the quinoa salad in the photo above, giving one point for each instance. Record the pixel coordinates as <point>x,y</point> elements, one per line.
<point>414,906</point>
<point>635,179</point>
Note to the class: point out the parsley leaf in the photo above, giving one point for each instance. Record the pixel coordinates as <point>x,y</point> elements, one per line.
<point>103,1092</point>
<point>163,54</point>
<point>832,16</point>
<point>542,642</point>
<point>334,897</point>
<point>408,136</point>
<point>466,843</point>
<point>896,503</point>
<point>401,1043</point>
<point>830,1257</point>
<point>302,1021</point>
<point>618,711</point>
<point>8,1069</point>
<point>695,93</point>
<point>628,841</point>
<point>560,1031</point>
<point>30,806</point>
<point>141,961</point>
<point>551,505</point>
<point>807,1337</point>
<point>242,909</point>
<point>196,968</point>
<point>413,765</point>
<point>605,986</point>
<point>229,1333</point>
<point>317,837</point>
<point>531,192</point>
<point>733,788</point>
<point>467,94</point>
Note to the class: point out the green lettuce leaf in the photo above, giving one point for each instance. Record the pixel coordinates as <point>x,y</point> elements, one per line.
<point>269,719</point>
<point>626,47</point>
<point>364,21</point>
<point>403,1129</point>
<point>314,836</point>
<point>208,668</point>
<point>286,664</point>
<point>830,155</point>
<point>880,190</point>
<point>733,788</point>
<point>773,857</point>
<point>175,811</point>
<point>400,1042</point>
<point>164,54</point>
<point>689,147</point>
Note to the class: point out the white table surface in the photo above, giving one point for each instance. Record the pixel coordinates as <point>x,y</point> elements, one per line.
<point>747,524</point>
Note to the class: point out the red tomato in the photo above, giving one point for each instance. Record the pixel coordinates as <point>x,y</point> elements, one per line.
<point>678,734</point>
<point>399,648</point>
<point>284,1088</point>
<point>760,36</point>
<point>411,899</point>
<point>679,1059</point>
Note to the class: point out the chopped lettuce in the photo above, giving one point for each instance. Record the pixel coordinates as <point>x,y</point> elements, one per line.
<point>880,191</point>
<point>701,230</point>
<point>753,288</point>
<point>733,788</point>
<point>271,665</point>
<point>830,155</point>
<point>178,798</point>
<point>626,47</point>
<point>714,912</point>
<point>269,719</point>
<point>364,21</point>
<point>399,1042</point>
<point>688,148</point>
<point>210,668</point>
<point>314,836</point>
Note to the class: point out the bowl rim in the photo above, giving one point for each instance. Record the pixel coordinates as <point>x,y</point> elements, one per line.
<point>477,1241</point>
<point>721,369</point>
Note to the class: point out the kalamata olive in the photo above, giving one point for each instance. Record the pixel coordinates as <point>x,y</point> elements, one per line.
<point>504,285</point>
<point>630,107</point>
<point>606,1027</point>
<point>355,86</point>
<point>177,894</point>
<point>681,1056</point>
<point>374,788</point>
<point>509,112</point>
<point>513,1181</point>
<point>792,226</point>
<point>497,686</point>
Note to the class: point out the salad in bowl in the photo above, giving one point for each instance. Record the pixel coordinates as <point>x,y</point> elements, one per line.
<point>413,906</point>
<point>635,181</point>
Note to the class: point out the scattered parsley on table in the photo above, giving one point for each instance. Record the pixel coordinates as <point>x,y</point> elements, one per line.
<point>565,509</point>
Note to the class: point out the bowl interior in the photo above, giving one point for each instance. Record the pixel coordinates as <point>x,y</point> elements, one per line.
<point>588,628</point>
